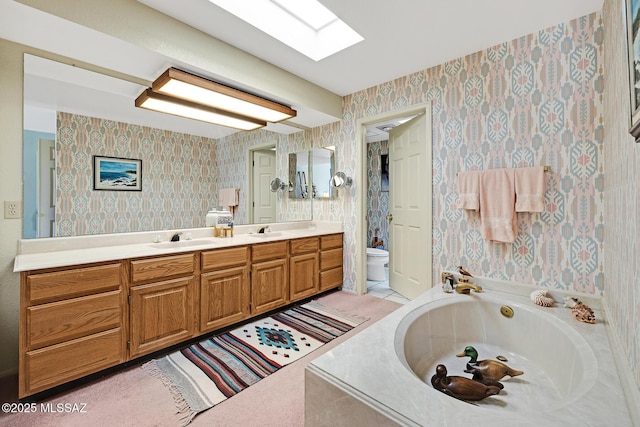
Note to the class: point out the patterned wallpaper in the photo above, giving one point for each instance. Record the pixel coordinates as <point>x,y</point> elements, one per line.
<point>377,200</point>
<point>231,154</point>
<point>536,100</point>
<point>178,170</point>
<point>622,186</point>
<point>181,176</point>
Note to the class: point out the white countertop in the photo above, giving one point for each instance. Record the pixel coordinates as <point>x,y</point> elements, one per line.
<point>35,254</point>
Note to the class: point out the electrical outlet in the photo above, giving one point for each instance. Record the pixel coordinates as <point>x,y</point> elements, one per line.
<point>12,209</point>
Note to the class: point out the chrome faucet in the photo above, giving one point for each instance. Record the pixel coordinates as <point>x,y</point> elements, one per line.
<point>176,237</point>
<point>465,288</point>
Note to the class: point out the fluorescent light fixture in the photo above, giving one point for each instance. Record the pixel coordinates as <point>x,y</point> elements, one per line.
<point>183,94</point>
<point>181,84</point>
<point>179,107</point>
<point>304,25</point>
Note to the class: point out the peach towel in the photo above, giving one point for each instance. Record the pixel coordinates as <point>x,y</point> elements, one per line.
<point>497,205</point>
<point>228,198</point>
<point>468,197</point>
<point>529,184</point>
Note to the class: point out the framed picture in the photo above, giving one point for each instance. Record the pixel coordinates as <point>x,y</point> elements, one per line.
<point>114,173</point>
<point>384,172</point>
<point>633,43</point>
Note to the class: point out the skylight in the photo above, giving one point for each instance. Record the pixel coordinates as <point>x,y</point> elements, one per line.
<point>304,25</point>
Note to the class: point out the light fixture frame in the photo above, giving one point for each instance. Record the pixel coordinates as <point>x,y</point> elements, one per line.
<point>150,94</point>
<point>174,74</point>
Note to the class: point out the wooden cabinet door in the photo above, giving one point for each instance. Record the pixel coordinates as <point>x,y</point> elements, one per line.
<point>161,315</point>
<point>269,285</point>
<point>224,298</point>
<point>303,275</point>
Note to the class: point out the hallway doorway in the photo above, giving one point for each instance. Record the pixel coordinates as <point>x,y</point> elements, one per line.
<point>409,275</point>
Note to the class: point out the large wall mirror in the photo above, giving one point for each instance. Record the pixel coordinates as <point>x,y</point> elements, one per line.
<point>72,115</point>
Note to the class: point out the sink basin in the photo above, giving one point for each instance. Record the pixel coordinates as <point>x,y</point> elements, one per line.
<point>266,235</point>
<point>182,243</point>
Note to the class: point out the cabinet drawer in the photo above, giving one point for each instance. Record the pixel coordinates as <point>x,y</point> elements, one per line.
<point>223,258</point>
<point>330,259</point>
<point>60,321</point>
<point>59,285</point>
<point>265,251</point>
<point>303,246</point>
<point>331,241</point>
<point>60,363</point>
<point>161,268</point>
<point>330,278</point>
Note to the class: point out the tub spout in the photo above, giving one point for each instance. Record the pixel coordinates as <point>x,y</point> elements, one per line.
<point>465,288</point>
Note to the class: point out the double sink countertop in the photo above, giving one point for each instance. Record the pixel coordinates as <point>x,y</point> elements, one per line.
<point>35,254</point>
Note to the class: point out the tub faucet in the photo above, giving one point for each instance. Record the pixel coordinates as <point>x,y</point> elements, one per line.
<point>465,288</point>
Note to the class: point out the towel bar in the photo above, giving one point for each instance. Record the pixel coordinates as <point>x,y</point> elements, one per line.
<point>546,169</point>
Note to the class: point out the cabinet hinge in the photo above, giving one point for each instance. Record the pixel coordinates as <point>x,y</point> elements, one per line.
<point>129,299</point>
<point>128,344</point>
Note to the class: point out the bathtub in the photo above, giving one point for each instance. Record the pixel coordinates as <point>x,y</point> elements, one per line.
<point>381,376</point>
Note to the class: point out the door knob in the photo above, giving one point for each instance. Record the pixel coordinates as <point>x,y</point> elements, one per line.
<point>389,217</point>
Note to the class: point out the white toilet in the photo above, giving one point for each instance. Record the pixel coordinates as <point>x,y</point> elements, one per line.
<point>376,259</point>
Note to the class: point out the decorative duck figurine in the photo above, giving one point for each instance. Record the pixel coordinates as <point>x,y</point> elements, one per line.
<point>460,387</point>
<point>486,370</point>
<point>464,272</point>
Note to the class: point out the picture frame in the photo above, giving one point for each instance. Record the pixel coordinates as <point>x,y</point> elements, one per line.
<point>632,12</point>
<point>117,173</point>
<point>384,172</point>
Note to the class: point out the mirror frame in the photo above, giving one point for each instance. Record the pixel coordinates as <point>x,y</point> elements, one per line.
<point>280,161</point>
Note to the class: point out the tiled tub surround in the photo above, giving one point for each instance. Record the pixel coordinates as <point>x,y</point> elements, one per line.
<point>36,254</point>
<point>570,375</point>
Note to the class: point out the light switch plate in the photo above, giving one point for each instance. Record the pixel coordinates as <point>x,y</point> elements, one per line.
<point>12,210</point>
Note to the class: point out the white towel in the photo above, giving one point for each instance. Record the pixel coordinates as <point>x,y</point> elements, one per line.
<point>467,183</point>
<point>497,205</point>
<point>529,183</point>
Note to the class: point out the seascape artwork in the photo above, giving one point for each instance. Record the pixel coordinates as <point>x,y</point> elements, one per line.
<point>116,174</point>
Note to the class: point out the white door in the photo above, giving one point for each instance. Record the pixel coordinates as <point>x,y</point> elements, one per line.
<point>410,177</point>
<point>46,188</point>
<point>264,200</point>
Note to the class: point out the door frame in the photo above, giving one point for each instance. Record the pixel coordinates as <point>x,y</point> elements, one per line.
<point>361,189</point>
<point>249,175</point>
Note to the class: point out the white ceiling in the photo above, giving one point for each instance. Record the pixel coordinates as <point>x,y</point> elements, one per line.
<point>401,37</point>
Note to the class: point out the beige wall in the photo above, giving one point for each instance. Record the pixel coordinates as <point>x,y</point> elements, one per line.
<point>10,176</point>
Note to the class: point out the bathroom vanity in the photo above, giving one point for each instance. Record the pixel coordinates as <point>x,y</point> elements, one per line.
<point>83,310</point>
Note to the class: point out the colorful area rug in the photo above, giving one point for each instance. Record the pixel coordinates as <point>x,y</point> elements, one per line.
<point>204,374</point>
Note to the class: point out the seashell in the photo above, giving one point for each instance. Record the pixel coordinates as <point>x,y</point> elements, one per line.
<point>583,313</point>
<point>571,302</point>
<point>540,297</point>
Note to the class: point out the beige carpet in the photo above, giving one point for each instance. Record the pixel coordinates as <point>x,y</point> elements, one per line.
<point>132,397</point>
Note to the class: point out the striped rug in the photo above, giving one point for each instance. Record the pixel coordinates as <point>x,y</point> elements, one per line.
<point>204,374</point>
